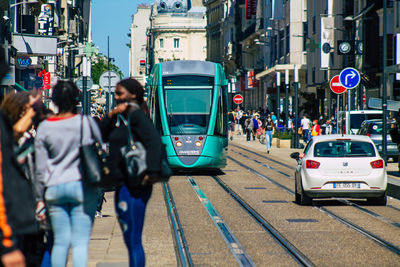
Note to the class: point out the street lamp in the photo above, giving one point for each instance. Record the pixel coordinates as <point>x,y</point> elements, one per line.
<point>28,2</point>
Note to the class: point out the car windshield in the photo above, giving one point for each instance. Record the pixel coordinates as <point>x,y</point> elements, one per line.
<point>343,148</point>
<point>188,101</point>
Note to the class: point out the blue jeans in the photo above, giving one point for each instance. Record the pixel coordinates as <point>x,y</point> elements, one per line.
<point>71,209</point>
<point>268,139</point>
<point>130,207</point>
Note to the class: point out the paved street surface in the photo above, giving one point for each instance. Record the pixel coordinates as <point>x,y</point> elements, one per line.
<point>208,248</point>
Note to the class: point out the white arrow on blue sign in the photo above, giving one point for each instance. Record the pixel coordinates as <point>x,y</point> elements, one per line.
<point>349,78</point>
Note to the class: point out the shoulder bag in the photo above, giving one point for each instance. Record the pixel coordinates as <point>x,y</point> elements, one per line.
<point>93,160</point>
<point>134,155</point>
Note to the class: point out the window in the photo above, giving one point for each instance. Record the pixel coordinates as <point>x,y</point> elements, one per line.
<point>287,39</point>
<point>281,43</point>
<point>176,43</point>
<point>221,124</point>
<point>344,148</point>
<point>398,14</point>
<point>161,43</point>
<point>314,26</point>
<point>305,35</point>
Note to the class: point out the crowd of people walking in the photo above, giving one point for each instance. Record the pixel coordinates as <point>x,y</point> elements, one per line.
<point>264,124</point>
<point>46,205</point>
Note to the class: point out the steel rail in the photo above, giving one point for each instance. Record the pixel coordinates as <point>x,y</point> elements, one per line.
<point>357,228</point>
<point>294,252</point>
<point>182,248</point>
<point>232,242</point>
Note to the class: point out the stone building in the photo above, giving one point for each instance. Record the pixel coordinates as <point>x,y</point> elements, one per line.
<point>177,32</point>
<point>138,42</point>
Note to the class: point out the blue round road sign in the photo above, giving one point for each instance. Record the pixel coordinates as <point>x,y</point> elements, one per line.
<point>349,78</point>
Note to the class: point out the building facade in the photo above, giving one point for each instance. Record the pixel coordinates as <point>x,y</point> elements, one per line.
<point>177,32</point>
<point>138,42</point>
<point>318,39</point>
<point>45,41</point>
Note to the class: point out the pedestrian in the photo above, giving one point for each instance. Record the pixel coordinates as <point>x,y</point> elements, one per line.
<point>255,127</point>
<point>231,124</point>
<point>131,201</point>
<point>305,125</point>
<point>269,132</point>
<point>328,127</point>
<point>316,129</point>
<point>70,202</point>
<point>17,208</point>
<point>248,126</point>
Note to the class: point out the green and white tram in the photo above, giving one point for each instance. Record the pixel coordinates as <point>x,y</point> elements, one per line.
<point>188,104</point>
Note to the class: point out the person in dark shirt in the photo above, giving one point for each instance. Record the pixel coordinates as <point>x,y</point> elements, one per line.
<point>231,121</point>
<point>131,201</point>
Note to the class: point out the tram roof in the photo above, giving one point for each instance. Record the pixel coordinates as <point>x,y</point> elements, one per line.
<point>188,67</point>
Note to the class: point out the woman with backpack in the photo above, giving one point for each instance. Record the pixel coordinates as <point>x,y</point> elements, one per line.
<point>131,200</point>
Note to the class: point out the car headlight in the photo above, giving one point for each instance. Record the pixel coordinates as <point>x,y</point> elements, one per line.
<point>179,144</point>
<point>198,143</point>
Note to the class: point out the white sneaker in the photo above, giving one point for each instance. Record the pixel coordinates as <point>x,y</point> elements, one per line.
<point>98,214</point>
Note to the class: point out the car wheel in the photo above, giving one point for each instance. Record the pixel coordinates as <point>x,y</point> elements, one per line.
<point>378,201</point>
<point>296,193</point>
<point>304,199</point>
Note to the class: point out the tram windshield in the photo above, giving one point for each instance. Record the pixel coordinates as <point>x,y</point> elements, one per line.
<point>188,104</point>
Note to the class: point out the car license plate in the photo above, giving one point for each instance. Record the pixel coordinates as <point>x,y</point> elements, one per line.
<point>346,185</point>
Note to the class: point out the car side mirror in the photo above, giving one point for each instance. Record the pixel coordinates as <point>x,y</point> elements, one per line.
<point>295,155</point>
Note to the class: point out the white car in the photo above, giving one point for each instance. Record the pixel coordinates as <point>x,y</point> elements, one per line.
<point>340,166</point>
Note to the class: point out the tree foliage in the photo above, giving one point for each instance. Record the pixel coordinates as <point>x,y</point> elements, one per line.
<point>100,66</point>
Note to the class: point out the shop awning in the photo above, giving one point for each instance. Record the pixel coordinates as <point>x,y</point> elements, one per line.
<point>33,44</point>
<point>279,68</point>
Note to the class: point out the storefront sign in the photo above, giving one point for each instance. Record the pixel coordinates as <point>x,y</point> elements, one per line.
<point>23,62</point>
<point>46,20</point>
<point>46,79</point>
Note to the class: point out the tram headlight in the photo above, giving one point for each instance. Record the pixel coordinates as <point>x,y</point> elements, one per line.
<point>179,144</point>
<point>198,143</point>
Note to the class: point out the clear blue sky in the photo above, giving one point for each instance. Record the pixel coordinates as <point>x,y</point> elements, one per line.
<point>114,19</point>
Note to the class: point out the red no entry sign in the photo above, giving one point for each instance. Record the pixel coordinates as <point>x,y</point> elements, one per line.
<point>336,86</point>
<point>238,99</point>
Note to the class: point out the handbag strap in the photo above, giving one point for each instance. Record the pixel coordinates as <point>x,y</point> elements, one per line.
<point>90,127</point>
<point>130,135</point>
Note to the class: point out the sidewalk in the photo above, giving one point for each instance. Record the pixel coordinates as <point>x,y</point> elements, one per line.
<point>107,248</point>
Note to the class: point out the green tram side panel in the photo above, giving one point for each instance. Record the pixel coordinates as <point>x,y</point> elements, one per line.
<point>213,155</point>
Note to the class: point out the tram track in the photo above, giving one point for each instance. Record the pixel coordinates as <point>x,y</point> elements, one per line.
<point>296,254</point>
<point>322,209</point>
<point>182,249</point>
